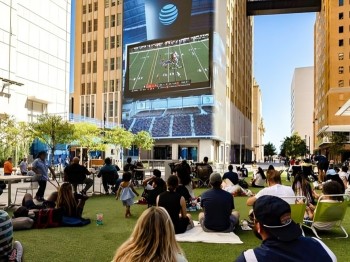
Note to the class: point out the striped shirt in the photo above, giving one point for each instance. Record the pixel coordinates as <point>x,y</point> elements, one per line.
<point>5,235</point>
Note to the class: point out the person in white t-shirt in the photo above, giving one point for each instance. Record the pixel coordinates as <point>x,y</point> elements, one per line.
<point>344,176</point>
<point>273,178</point>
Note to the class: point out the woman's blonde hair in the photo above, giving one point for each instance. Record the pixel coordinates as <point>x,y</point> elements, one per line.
<point>66,200</point>
<point>153,239</point>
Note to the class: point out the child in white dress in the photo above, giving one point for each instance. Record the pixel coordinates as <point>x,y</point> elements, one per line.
<point>126,192</point>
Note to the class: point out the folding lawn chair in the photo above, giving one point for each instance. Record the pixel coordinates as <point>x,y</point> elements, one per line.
<point>297,209</point>
<point>327,212</point>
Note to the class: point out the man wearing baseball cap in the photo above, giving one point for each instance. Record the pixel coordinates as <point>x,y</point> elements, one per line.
<point>218,205</point>
<point>282,237</point>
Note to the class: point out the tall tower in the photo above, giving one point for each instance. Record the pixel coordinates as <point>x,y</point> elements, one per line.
<point>332,74</point>
<point>302,104</point>
<point>98,61</point>
<point>258,129</point>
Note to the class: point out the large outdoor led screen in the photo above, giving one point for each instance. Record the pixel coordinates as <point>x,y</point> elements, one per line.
<point>172,67</point>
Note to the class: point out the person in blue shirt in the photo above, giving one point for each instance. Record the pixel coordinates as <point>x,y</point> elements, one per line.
<point>282,238</point>
<point>232,176</point>
<point>41,168</point>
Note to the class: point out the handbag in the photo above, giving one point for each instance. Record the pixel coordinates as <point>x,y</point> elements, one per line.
<point>47,218</point>
<point>75,221</point>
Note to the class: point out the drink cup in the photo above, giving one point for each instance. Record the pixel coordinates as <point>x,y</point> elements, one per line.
<point>99,219</point>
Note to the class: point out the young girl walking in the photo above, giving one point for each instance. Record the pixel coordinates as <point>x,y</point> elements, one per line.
<point>126,192</point>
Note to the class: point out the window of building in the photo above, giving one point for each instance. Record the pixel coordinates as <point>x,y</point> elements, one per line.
<point>117,82</point>
<point>113,3</point>
<point>89,46</point>
<point>83,47</point>
<point>341,29</point>
<point>83,68</point>
<point>112,42</point>
<point>118,2</point>
<point>90,26</point>
<point>95,45</point>
<point>111,86</point>
<point>341,83</point>
<point>341,42</point>
<point>94,87</point>
<point>88,88</point>
<point>96,6</point>
<point>118,40</point>
<point>89,67</point>
<point>341,16</point>
<point>119,19</point>
<point>84,9</point>
<point>340,56</point>
<point>87,108</point>
<point>94,67</point>
<point>112,20</point>
<point>341,2</point>
<point>110,108</point>
<point>84,27</point>
<point>340,69</point>
<point>95,24</point>
<point>105,86</point>
<point>106,21</point>
<point>106,3</point>
<point>105,64</point>
<point>92,109</point>
<point>82,91</point>
<point>90,8</point>
<point>106,44</point>
<point>111,64</point>
<point>82,107</point>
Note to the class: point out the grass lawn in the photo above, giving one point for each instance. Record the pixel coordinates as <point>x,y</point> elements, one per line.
<point>98,243</point>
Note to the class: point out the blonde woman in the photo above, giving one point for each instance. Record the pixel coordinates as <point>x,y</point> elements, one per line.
<point>71,204</point>
<point>153,239</point>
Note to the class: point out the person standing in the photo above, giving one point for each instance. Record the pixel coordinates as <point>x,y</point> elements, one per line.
<point>76,174</point>
<point>282,238</point>
<point>23,166</point>
<point>41,167</point>
<point>8,167</point>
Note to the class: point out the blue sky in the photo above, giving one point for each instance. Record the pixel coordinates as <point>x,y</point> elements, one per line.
<point>281,44</point>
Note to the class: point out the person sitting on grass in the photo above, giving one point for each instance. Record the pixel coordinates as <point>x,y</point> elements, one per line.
<point>259,178</point>
<point>9,251</point>
<point>175,204</point>
<point>218,205</point>
<point>153,186</point>
<point>231,175</point>
<point>153,239</point>
<point>71,204</point>
<point>126,192</point>
<point>183,172</point>
<point>275,188</point>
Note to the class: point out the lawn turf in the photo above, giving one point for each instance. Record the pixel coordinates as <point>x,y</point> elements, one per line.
<point>98,243</point>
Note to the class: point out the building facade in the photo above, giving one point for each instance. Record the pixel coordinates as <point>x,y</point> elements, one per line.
<point>302,104</point>
<point>258,129</point>
<point>34,64</point>
<point>332,77</point>
<point>98,61</point>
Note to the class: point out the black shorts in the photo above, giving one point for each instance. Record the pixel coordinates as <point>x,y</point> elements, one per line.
<point>182,225</point>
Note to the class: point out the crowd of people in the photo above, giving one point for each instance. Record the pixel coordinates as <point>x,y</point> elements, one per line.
<point>153,237</point>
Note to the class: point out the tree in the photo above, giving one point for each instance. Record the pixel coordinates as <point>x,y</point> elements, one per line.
<point>293,146</point>
<point>88,135</point>
<point>269,149</point>
<point>52,130</point>
<point>143,140</point>
<point>337,146</point>
<point>120,137</point>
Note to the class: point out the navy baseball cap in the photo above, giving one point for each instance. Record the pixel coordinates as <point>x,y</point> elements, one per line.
<point>274,214</point>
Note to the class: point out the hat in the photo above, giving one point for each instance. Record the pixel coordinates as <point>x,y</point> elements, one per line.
<point>331,172</point>
<point>274,214</point>
<point>215,177</point>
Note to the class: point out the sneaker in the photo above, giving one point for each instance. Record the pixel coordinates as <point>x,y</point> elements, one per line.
<point>17,252</point>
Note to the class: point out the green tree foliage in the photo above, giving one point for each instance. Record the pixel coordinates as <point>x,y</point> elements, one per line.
<point>269,149</point>
<point>337,146</point>
<point>89,136</point>
<point>120,136</point>
<point>52,130</point>
<point>293,146</point>
<point>143,140</point>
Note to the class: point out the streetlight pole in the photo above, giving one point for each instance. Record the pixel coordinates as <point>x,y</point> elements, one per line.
<point>240,149</point>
